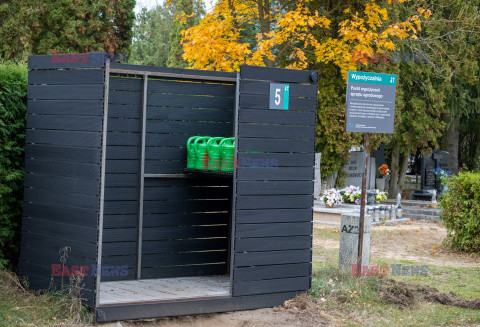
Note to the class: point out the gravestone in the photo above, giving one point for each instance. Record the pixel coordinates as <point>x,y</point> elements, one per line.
<point>317,185</point>
<point>349,240</point>
<point>428,181</point>
<point>354,170</point>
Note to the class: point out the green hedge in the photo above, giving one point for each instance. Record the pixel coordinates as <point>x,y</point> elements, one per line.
<point>13,108</point>
<point>461,212</point>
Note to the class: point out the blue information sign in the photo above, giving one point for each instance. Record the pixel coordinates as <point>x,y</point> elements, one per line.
<point>370,102</point>
<point>279,96</point>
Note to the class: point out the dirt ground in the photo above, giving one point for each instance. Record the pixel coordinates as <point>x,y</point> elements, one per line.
<point>415,241</point>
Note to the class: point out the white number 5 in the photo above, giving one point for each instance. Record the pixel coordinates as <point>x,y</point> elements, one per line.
<point>277,96</point>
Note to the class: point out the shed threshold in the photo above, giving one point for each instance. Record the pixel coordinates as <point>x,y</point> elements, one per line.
<point>164,289</point>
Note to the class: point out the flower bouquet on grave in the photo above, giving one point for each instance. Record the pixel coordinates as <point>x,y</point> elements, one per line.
<point>381,196</point>
<point>331,197</point>
<point>383,171</point>
<point>352,194</point>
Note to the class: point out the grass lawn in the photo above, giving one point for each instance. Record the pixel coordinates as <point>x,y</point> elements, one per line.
<point>358,301</point>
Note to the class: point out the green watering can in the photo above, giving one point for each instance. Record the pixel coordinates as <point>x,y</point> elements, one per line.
<point>213,151</point>
<point>191,157</point>
<point>227,154</point>
<point>201,156</point>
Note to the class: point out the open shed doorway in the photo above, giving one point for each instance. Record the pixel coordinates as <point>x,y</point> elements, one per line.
<point>166,234</point>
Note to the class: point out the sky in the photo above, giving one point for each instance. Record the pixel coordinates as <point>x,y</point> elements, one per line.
<point>149,4</point>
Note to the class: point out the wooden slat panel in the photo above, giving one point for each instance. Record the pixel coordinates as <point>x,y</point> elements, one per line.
<point>276,131</point>
<point>59,229</point>
<point>62,168</point>
<point>168,193</point>
<point>280,173</point>
<point>151,247</point>
<point>184,127</point>
<point>272,258</point>
<point>66,107</point>
<point>64,185</point>
<point>72,77</point>
<point>42,196</point>
<point>157,220</point>
<point>123,83</point>
<point>191,88</point>
<point>124,111</point>
<point>271,272</point>
<point>51,152</point>
<point>273,215</point>
<point>58,92</point>
<point>55,214</point>
<point>176,271</point>
<point>262,87</point>
<point>64,138</point>
<point>273,229</point>
<point>223,115</point>
<point>66,123</point>
<point>276,74</point>
<point>274,160</point>
<point>53,244</point>
<point>275,145</point>
<point>271,286</point>
<point>273,243</point>
<point>255,101</point>
<point>123,180</point>
<point>274,201</point>
<point>83,60</point>
<point>274,187</point>
<point>277,117</point>
<point>190,258</point>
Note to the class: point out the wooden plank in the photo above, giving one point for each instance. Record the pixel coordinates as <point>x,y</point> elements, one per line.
<point>273,215</point>
<point>186,206</point>
<point>59,229</point>
<point>66,107</point>
<point>274,201</point>
<point>74,60</point>
<point>115,65</point>
<point>276,131</point>
<point>164,233</point>
<point>189,101</point>
<point>191,88</point>
<point>65,123</point>
<point>262,87</point>
<point>54,214</point>
<point>49,197</point>
<point>277,74</point>
<point>123,152</point>
<point>52,152</point>
<point>71,77</point>
<point>125,180</point>
<point>273,229</point>
<point>184,271</point>
<point>244,274</point>
<point>277,117</point>
<point>123,138</point>
<point>168,193</point>
<point>278,174</point>
<point>40,256</point>
<point>62,168</point>
<point>272,258</point>
<point>273,285</point>
<point>186,127</point>
<point>172,113</point>
<point>275,145</point>
<point>209,244</point>
<point>274,187</point>
<point>189,258</point>
<point>59,92</point>
<point>256,101</point>
<point>177,308</point>
<point>53,244</point>
<point>124,83</point>
<point>64,184</point>
<point>273,243</point>
<point>122,166</point>
<point>64,138</point>
<point>124,111</point>
<point>124,97</point>
<point>274,160</point>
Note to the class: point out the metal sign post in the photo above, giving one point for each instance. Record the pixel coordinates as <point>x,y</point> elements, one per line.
<point>370,109</point>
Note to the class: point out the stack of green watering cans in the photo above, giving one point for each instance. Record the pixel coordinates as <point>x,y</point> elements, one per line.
<point>211,153</point>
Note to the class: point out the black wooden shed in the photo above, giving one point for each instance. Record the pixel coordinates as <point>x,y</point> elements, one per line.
<point>105,178</point>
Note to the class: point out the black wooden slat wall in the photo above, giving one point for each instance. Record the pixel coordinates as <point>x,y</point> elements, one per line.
<point>274,190</point>
<point>185,220</point>
<point>62,169</point>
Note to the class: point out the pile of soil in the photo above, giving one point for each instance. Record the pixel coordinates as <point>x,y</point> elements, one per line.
<point>404,295</point>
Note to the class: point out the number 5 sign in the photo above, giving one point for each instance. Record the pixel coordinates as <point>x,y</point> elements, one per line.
<point>279,94</point>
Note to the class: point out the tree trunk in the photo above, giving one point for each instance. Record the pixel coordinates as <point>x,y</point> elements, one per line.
<point>264,19</point>
<point>452,137</point>
<point>393,186</point>
<point>403,172</point>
